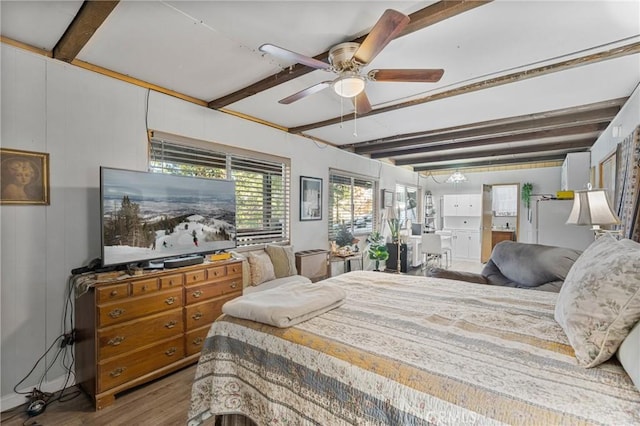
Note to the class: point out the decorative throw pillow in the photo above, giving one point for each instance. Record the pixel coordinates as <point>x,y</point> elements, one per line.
<point>283,259</point>
<point>261,268</point>
<point>629,355</point>
<point>600,300</point>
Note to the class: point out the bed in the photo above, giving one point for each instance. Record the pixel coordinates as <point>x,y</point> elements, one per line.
<point>408,350</point>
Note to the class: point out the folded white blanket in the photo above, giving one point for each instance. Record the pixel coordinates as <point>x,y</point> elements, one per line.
<point>286,305</point>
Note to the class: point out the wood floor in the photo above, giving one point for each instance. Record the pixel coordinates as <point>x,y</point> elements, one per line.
<point>162,402</point>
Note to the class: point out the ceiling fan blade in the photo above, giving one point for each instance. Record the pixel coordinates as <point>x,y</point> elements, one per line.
<point>306,92</point>
<point>403,75</point>
<point>361,103</point>
<point>290,56</point>
<point>386,29</point>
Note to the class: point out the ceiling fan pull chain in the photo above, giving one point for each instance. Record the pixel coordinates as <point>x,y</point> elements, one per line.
<point>341,110</point>
<point>355,122</point>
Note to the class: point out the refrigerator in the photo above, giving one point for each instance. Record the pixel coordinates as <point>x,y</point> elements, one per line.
<point>551,228</point>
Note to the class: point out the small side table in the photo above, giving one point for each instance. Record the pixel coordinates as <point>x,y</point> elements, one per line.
<point>347,260</point>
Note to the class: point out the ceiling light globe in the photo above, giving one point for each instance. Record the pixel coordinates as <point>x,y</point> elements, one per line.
<point>349,85</point>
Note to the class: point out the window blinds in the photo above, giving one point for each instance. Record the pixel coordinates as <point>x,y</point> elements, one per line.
<point>351,203</point>
<point>262,186</point>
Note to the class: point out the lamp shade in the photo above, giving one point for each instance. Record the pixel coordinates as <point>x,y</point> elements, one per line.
<point>592,208</point>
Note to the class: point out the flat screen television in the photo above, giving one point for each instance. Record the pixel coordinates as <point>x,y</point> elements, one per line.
<point>148,216</point>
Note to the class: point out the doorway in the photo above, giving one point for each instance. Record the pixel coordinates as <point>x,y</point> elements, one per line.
<point>500,216</point>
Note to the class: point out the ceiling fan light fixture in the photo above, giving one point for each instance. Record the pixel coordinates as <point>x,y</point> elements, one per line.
<point>349,85</point>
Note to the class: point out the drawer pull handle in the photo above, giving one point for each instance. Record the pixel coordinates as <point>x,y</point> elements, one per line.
<point>197,315</point>
<point>197,341</point>
<point>171,324</point>
<point>113,293</point>
<point>116,341</point>
<point>118,371</point>
<point>116,313</point>
<point>171,351</point>
<point>196,293</point>
<point>170,300</point>
<point>144,287</point>
<point>234,284</point>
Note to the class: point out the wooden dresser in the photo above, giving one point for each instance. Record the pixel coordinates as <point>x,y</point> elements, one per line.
<point>134,329</point>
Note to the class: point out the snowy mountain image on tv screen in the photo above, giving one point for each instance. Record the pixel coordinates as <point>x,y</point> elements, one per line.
<point>151,215</point>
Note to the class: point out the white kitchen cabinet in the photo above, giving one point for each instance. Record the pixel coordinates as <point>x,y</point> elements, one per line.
<point>462,205</point>
<point>465,244</point>
<point>575,171</point>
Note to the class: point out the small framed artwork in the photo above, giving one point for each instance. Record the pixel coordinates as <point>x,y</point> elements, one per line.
<point>387,198</point>
<point>310,198</point>
<point>25,177</point>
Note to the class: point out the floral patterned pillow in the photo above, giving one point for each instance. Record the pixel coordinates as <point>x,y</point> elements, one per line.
<point>600,299</point>
<point>261,268</point>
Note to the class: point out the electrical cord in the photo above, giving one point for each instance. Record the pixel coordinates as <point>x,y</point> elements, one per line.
<point>434,179</point>
<point>65,342</point>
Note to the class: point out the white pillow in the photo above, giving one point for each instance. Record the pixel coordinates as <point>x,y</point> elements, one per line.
<point>629,355</point>
<point>599,301</point>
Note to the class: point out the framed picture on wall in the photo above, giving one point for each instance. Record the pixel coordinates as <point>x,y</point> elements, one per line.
<point>310,198</point>
<point>25,177</point>
<point>387,198</point>
<point>608,175</point>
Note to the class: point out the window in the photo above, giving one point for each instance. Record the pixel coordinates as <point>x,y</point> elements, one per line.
<point>262,185</point>
<point>407,203</point>
<point>352,203</point>
<point>504,199</point>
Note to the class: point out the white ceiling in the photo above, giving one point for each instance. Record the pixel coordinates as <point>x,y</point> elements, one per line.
<point>209,49</point>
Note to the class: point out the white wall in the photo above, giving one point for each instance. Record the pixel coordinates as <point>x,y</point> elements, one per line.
<point>85,120</point>
<point>627,119</point>
<point>545,180</point>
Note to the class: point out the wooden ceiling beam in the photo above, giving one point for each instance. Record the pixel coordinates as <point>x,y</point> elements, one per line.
<point>91,15</point>
<point>617,52</point>
<point>486,163</point>
<point>533,134</point>
<point>562,146</point>
<point>420,19</point>
<point>513,125</point>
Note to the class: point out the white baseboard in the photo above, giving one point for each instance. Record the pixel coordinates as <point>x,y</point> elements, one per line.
<point>12,400</point>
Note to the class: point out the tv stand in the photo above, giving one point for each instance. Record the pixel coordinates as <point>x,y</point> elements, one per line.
<point>183,261</point>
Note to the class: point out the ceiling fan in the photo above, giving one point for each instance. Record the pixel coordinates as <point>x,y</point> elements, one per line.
<point>347,60</point>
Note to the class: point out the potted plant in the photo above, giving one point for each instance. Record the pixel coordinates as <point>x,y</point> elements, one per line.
<point>394,228</point>
<point>526,198</point>
<point>377,249</point>
<point>344,237</point>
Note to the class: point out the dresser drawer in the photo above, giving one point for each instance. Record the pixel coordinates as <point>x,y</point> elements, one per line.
<point>112,292</point>
<point>122,369</point>
<point>194,340</point>
<point>202,292</point>
<point>195,277</point>
<point>135,334</point>
<point>232,270</point>
<point>171,281</point>
<point>199,314</point>
<point>144,287</point>
<point>131,308</point>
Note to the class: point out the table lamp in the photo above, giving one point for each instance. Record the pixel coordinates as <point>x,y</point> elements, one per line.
<point>592,207</point>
